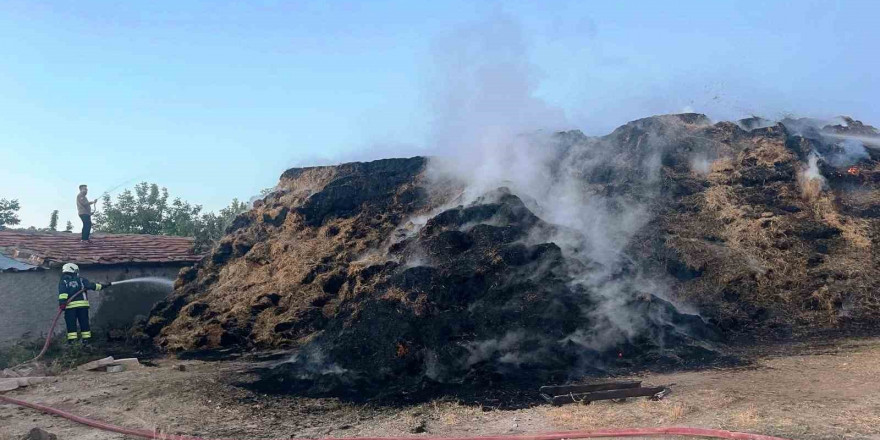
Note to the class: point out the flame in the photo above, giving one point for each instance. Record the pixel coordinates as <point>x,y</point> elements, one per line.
<point>853,171</point>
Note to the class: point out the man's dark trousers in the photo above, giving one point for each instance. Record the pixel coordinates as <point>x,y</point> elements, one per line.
<point>87,225</point>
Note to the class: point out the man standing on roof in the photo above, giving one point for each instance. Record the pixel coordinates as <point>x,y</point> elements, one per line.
<point>73,299</point>
<point>84,209</point>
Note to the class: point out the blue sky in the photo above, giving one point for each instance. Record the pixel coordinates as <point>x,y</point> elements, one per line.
<point>215,99</point>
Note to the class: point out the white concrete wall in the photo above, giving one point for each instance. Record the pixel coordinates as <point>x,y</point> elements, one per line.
<point>29,300</point>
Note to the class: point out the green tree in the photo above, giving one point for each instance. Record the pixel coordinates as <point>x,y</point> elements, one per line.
<point>68,227</point>
<point>182,219</point>
<point>146,210</point>
<point>8,212</point>
<point>53,221</point>
<point>138,212</point>
<point>213,226</point>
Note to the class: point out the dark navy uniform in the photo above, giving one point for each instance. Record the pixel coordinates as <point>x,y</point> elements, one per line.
<point>75,289</point>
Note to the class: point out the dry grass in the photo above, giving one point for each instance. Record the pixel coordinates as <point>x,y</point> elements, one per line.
<point>855,231</point>
<point>310,181</point>
<point>772,151</point>
<point>721,200</point>
<point>607,414</point>
<point>454,413</point>
<point>722,166</point>
<point>748,416</point>
<point>741,231</point>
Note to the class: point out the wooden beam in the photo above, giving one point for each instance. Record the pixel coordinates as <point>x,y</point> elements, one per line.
<point>557,390</point>
<point>605,395</point>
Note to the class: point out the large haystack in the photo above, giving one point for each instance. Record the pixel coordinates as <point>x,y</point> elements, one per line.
<point>376,271</point>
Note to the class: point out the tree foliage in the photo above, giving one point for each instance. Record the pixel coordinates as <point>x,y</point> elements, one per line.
<point>147,210</point>
<point>68,227</point>
<point>138,212</point>
<point>9,212</point>
<point>53,221</point>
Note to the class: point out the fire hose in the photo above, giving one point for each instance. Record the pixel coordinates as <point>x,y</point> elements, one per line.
<point>51,330</point>
<point>602,433</point>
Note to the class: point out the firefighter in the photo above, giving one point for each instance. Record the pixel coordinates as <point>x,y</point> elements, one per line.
<point>73,299</point>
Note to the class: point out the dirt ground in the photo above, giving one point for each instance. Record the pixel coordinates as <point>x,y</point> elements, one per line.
<point>807,390</point>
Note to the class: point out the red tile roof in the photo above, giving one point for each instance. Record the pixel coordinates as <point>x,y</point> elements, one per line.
<point>46,248</point>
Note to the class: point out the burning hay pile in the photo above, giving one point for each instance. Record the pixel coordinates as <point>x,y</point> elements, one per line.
<point>562,256</point>
<point>778,234</point>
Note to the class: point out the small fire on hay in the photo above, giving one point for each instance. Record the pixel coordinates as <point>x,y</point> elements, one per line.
<point>853,171</point>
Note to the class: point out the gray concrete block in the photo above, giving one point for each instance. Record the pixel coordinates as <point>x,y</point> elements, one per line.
<point>130,363</point>
<point>115,368</point>
<point>8,384</point>
<point>94,365</point>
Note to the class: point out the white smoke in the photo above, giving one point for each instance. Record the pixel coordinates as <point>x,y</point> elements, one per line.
<point>483,95</point>
<point>810,178</point>
<point>484,350</point>
<point>812,172</point>
<point>701,164</point>
<point>837,149</point>
<point>492,129</point>
<point>853,151</point>
<point>312,363</point>
<point>866,141</point>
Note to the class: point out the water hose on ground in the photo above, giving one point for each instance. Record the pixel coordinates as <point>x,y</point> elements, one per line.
<point>48,337</point>
<point>602,433</point>
<point>51,331</point>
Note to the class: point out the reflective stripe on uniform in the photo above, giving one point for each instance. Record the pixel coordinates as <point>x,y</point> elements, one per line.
<point>79,303</point>
<point>86,335</point>
<point>63,296</point>
<point>71,335</point>
<point>98,287</point>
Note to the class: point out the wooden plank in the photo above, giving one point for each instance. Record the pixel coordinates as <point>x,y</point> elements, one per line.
<point>606,395</point>
<point>558,390</point>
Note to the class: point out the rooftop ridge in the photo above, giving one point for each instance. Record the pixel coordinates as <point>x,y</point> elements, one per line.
<point>47,247</point>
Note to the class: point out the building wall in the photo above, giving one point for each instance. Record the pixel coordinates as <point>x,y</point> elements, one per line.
<point>29,300</point>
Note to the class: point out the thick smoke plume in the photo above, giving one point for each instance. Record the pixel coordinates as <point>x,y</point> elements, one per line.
<point>492,130</point>
<point>810,179</point>
<point>850,149</point>
<point>865,141</point>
